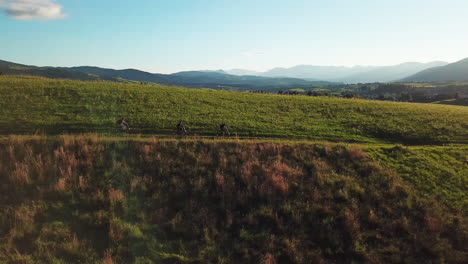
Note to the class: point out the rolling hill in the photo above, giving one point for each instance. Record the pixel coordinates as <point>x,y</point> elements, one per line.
<point>48,72</point>
<point>57,106</point>
<point>457,71</point>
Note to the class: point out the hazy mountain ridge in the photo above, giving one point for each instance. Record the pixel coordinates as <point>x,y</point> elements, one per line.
<point>317,72</point>
<point>390,73</point>
<point>457,71</point>
<point>243,72</point>
<point>355,74</point>
<point>301,76</point>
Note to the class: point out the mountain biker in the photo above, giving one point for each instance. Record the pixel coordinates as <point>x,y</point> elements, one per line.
<point>124,126</point>
<point>224,130</point>
<point>181,128</point>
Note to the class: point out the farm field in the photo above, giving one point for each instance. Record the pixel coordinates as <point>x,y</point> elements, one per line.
<point>304,179</point>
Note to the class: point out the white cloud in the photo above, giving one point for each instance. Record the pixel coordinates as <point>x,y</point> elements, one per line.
<point>32,9</point>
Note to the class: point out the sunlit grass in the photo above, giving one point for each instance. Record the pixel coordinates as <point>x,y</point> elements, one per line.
<point>38,105</point>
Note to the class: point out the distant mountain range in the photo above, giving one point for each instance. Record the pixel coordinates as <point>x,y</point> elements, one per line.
<point>317,72</point>
<point>208,79</point>
<point>457,71</point>
<point>302,76</point>
<point>356,74</point>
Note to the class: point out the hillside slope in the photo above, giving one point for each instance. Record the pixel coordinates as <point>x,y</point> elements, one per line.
<point>32,105</point>
<point>86,200</point>
<point>48,72</point>
<point>457,71</point>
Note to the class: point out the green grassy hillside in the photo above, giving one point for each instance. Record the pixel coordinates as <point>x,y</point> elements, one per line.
<point>83,199</point>
<point>280,192</point>
<point>30,105</point>
<point>438,172</point>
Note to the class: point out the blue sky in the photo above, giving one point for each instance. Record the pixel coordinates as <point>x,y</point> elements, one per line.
<point>174,35</point>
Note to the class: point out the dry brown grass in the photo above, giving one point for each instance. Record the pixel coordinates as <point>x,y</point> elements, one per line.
<point>322,170</point>
<point>268,258</point>
<point>351,221</point>
<point>223,162</point>
<point>372,217</point>
<point>107,259</point>
<point>137,182</point>
<point>278,174</point>
<point>115,196</point>
<point>11,152</point>
<point>82,183</point>
<point>17,139</point>
<point>433,224</point>
<point>66,172</point>
<point>79,140</point>
<point>219,180</point>
<point>247,168</point>
<point>40,167</point>
<point>21,220</point>
<point>356,153</point>
<point>75,242</point>
<point>116,234</point>
<point>99,195</point>
<point>61,184</point>
<point>300,203</point>
<point>25,214</point>
<point>65,158</point>
<point>68,140</point>
<point>20,175</point>
<point>147,152</point>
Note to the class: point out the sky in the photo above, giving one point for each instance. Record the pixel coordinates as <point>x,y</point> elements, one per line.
<point>175,35</point>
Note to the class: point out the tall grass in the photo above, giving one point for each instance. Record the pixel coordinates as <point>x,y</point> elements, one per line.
<point>200,201</point>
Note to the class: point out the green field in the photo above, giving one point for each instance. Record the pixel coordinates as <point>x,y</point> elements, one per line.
<point>36,105</point>
<point>305,179</point>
